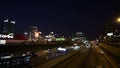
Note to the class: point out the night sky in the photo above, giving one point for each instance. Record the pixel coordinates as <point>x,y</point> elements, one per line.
<point>61,16</point>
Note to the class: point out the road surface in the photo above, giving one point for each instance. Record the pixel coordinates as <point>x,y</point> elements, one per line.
<point>92,57</point>
<point>89,58</point>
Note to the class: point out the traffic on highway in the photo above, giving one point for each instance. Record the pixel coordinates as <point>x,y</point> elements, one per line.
<point>87,55</point>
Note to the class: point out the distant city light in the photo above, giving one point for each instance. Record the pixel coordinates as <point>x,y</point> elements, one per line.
<point>6,20</point>
<point>47,36</point>
<point>25,33</point>
<point>49,40</point>
<point>37,35</point>
<point>60,39</point>
<point>13,22</point>
<point>2,41</point>
<point>52,32</point>
<point>109,34</point>
<point>73,39</point>
<point>40,32</point>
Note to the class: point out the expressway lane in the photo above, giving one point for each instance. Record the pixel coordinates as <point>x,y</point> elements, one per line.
<point>85,58</point>
<point>77,61</point>
<point>89,58</point>
<point>92,61</point>
<point>101,60</point>
<point>107,61</point>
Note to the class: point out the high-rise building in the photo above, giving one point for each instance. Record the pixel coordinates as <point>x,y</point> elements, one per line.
<point>8,26</point>
<point>33,33</point>
<point>80,37</point>
<point>79,34</point>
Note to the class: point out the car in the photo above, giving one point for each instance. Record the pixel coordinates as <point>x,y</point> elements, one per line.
<point>5,56</point>
<point>76,47</point>
<point>75,44</point>
<point>61,49</point>
<point>31,53</point>
<point>101,52</point>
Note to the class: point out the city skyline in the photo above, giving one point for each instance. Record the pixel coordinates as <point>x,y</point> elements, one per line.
<point>63,17</point>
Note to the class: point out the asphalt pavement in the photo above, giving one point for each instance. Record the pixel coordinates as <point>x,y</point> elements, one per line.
<point>92,57</point>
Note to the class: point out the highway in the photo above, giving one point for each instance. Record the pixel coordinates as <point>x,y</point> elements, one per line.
<point>92,57</point>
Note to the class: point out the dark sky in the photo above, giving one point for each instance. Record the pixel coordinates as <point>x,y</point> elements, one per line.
<point>61,16</point>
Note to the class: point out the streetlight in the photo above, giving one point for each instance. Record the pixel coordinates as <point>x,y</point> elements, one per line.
<point>25,33</point>
<point>118,20</point>
<point>117,25</point>
<point>40,32</point>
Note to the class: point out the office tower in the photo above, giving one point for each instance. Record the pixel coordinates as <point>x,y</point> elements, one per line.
<point>8,26</point>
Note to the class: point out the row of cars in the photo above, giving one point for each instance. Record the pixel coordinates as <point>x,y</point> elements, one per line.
<point>8,55</point>
<point>10,60</point>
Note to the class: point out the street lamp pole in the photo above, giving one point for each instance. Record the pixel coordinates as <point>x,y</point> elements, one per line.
<point>117,25</point>
<point>25,33</point>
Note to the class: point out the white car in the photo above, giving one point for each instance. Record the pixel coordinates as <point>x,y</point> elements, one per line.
<point>61,49</point>
<point>6,56</point>
<point>76,47</point>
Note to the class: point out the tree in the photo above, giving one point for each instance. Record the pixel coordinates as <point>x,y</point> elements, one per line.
<point>112,27</point>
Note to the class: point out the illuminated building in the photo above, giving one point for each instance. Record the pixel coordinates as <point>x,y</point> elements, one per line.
<point>7,31</point>
<point>79,34</point>
<point>34,34</point>
<point>50,37</point>
<point>37,34</point>
<point>31,33</point>
<point>80,37</point>
<point>8,26</point>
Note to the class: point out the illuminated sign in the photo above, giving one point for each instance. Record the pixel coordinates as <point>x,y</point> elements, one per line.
<point>60,39</point>
<point>6,36</point>
<point>2,41</point>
